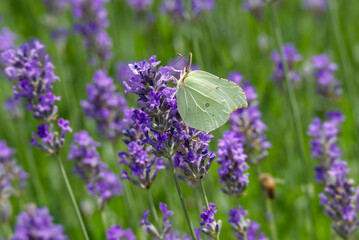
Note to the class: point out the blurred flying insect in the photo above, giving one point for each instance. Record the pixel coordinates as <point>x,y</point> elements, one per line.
<point>205,101</point>
<point>268,183</point>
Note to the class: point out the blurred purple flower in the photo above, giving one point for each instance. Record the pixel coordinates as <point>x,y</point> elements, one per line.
<point>12,180</point>
<point>199,6</point>
<point>117,233</point>
<point>316,6</point>
<point>101,182</point>
<point>340,199</point>
<point>248,121</point>
<point>256,7</point>
<point>211,227</point>
<point>173,8</point>
<point>14,107</point>
<point>7,39</point>
<point>291,56</point>
<point>327,84</point>
<point>231,159</point>
<point>107,107</point>
<point>123,71</point>
<point>325,147</point>
<point>37,224</point>
<point>139,5</point>
<point>91,23</point>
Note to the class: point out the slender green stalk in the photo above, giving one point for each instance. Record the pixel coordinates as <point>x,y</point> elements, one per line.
<point>180,194</point>
<point>269,210</point>
<point>345,65</point>
<point>203,192</point>
<point>153,208</point>
<point>73,200</point>
<point>104,219</point>
<point>295,113</point>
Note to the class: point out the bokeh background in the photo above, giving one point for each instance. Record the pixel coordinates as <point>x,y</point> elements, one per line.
<point>229,38</point>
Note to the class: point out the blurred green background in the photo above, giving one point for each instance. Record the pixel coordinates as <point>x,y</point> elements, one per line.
<point>221,41</point>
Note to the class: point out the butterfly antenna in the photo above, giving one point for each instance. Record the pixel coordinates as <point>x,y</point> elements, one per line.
<point>187,68</point>
<point>190,60</point>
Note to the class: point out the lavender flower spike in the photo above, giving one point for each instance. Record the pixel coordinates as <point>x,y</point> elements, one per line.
<point>117,233</point>
<point>231,159</point>
<point>12,180</point>
<point>106,107</point>
<point>248,121</point>
<point>340,199</point>
<point>37,224</point>
<point>211,227</point>
<point>166,232</point>
<point>327,85</point>
<point>291,56</point>
<point>101,182</point>
<point>243,226</point>
<point>91,23</point>
<point>7,39</point>
<point>324,147</point>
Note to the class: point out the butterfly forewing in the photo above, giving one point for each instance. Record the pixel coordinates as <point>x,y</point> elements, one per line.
<point>200,112</point>
<point>230,91</point>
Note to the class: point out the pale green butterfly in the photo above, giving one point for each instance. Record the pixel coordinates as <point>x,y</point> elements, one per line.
<point>204,100</point>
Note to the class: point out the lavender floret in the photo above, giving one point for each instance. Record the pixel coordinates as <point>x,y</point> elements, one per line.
<point>115,232</point>
<point>37,224</point>
<point>210,226</point>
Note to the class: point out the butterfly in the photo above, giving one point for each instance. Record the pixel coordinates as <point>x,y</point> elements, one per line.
<point>204,100</point>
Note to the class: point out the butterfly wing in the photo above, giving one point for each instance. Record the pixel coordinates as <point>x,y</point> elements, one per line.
<point>206,101</point>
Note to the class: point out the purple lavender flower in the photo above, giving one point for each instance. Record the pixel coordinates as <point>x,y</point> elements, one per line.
<point>55,6</point>
<point>12,180</point>
<point>91,23</point>
<point>7,39</point>
<point>31,73</point>
<point>37,224</point>
<point>248,122</point>
<point>199,6</point>
<point>139,5</point>
<point>231,159</point>
<point>327,85</point>
<point>340,199</point>
<point>123,72</point>
<point>291,56</point>
<point>324,147</point>
<point>211,227</point>
<point>173,8</point>
<point>243,226</point>
<point>106,107</point>
<point>166,232</point>
<point>316,6</point>
<point>159,124</point>
<point>256,7</point>
<point>101,182</point>
<point>14,107</point>
<point>117,233</point>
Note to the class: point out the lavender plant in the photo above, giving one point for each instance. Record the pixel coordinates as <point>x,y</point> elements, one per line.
<point>165,231</point>
<point>100,181</point>
<point>37,224</point>
<point>91,16</point>
<point>12,180</point>
<point>327,85</point>
<point>325,147</point>
<point>248,122</point>
<point>139,5</point>
<point>115,232</point>
<point>210,226</point>
<point>291,57</point>
<point>7,39</point>
<point>316,6</point>
<point>244,228</point>
<point>107,107</point>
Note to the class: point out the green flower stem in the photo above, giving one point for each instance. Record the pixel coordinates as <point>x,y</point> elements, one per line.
<point>269,210</point>
<point>295,113</point>
<point>73,200</point>
<point>153,208</point>
<point>333,13</point>
<point>180,194</point>
<point>104,219</point>
<point>203,192</point>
